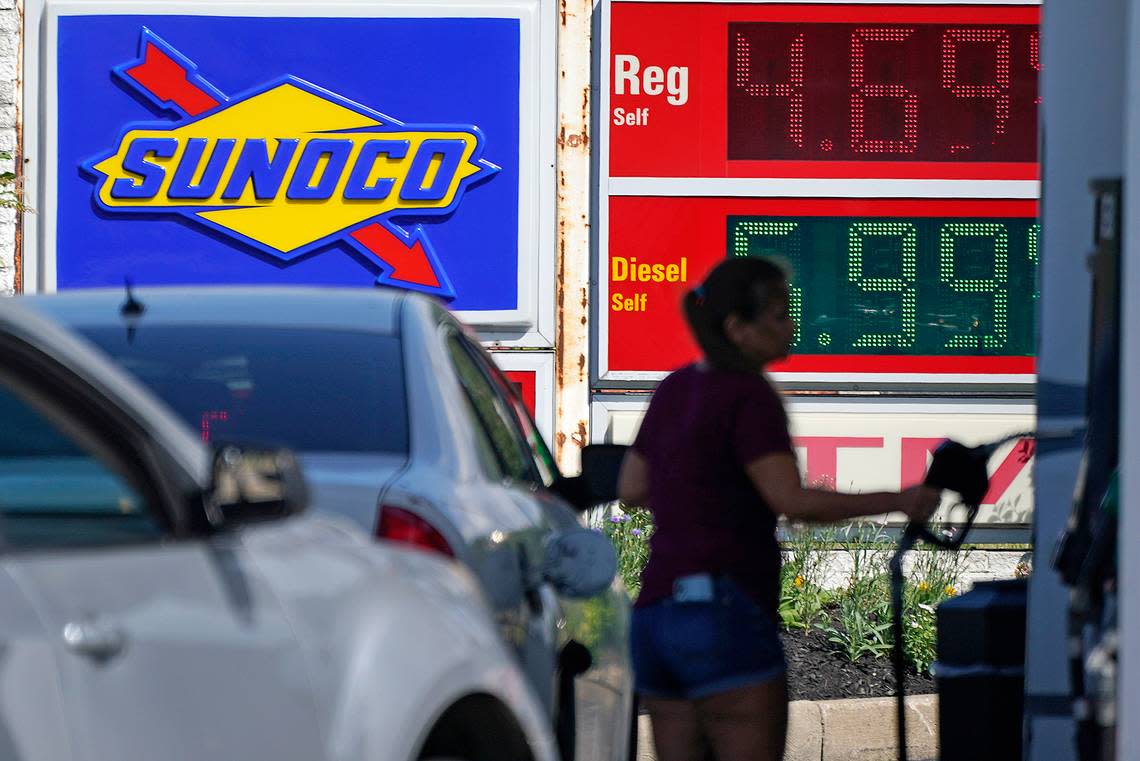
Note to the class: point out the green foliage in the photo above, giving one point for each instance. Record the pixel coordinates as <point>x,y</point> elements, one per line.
<point>920,636</point>
<point>592,621</point>
<point>859,621</point>
<point>855,618</point>
<point>802,593</point>
<point>860,631</point>
<point>801,603</point>
<point>629,530</point>
<point>933,578</point>
<point>9,187</point>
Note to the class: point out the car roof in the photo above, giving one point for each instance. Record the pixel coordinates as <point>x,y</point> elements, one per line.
<point>371,309</point>
<point>110,381</point>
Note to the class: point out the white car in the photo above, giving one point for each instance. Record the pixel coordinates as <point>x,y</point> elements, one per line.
<point>164,601</point>
<point>405,427</point>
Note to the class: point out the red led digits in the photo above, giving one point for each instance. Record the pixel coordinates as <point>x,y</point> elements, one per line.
<point>861,90</point>
<point>998,91</point>
<point>212,416</point>
<point>793,89</point>
<point>919,92</point>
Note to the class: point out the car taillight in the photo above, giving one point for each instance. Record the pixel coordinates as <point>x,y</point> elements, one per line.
<point>399,525</point>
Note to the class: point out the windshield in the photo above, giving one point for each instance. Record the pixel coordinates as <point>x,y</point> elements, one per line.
<point>307,389</point>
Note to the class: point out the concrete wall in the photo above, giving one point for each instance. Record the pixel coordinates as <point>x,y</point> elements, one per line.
<point>975,565</point>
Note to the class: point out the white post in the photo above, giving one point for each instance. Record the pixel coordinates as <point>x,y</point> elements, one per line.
<point>572,298</point>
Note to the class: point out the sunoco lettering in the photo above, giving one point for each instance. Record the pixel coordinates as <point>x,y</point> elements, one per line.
<point>312,169</point>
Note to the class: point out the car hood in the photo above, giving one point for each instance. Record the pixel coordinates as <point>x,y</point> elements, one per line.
<point>349,484</point>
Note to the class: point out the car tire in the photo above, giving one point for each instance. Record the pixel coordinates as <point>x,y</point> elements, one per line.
<point>476,728</point>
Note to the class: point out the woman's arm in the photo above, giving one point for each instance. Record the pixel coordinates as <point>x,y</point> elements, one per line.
<point>633,480</point>
<point>777,478</point>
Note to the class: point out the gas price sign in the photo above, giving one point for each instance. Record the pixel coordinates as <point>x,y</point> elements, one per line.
<point>821,90</point>
<point>934,287</point>
<point>886,153</point>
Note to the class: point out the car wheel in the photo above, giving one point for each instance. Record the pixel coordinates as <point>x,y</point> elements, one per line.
<point>476,728</point>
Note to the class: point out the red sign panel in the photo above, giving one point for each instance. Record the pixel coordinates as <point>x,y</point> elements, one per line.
<point>525,382</point>
<point>826,91</point>
<point>929,286</point>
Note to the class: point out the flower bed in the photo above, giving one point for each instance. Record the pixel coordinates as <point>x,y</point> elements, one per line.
<point>838,639</point>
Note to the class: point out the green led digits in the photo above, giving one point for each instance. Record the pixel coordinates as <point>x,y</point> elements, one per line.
<point>780,241</point>
<point>974,237</point>
<point>1031,246</point>
<point>915,286</point>
<point>906,236</point>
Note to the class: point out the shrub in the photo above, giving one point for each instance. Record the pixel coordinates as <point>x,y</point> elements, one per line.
<point>855,618</point>
<point>10,191</point>
<point>629,530</point>
<point>802,594</point>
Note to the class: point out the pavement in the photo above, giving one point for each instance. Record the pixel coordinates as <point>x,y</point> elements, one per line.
<point>859,729</point>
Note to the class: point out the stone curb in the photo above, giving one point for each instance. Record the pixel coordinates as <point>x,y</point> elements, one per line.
<point>858,729</point>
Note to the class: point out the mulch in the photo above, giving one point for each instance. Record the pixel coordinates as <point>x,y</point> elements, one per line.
<point>817,672</point>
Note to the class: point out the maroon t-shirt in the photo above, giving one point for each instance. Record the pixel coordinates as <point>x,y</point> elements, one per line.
<point>702,428</point>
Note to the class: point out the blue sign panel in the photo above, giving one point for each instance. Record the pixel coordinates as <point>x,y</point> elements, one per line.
<point>327,151</point>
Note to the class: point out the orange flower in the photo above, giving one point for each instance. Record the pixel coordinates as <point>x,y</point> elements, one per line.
<point>799,581</point>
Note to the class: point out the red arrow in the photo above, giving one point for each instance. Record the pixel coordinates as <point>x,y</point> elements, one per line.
<point>168,81</point>
<point>409,263</point>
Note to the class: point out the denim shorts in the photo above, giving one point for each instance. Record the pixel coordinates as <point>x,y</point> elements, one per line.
<point>690,650</point>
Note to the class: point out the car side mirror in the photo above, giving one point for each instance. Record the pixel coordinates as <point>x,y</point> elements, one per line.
<point>252,484</point>
<point>597,483</point>
<point>580,562</point>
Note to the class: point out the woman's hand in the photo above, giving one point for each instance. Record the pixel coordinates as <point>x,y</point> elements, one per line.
<point>633,479</point>
<point>919,502</point>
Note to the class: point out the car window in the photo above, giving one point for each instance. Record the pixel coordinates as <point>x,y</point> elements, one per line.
<point>304,388</point>
<point>54,492</point>
<point>543,460</point>
<point>492,412</point>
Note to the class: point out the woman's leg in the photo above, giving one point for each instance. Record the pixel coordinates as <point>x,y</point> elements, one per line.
<point>748,723</point>
<point>676,730</point>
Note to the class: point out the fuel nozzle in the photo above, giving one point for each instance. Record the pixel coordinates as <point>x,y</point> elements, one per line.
<point>958,468</point>
<point>961,469</point>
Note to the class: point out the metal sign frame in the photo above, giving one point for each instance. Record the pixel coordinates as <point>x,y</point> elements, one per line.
<point>541,365</point>
<point>796,187</point>
<point>531,323</point>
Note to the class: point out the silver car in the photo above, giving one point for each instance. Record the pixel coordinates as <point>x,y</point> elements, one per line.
<point>406,428</point>
<point>162,600</point>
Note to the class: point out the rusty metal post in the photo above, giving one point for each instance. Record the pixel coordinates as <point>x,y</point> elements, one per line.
<point>17,283</point>
<point>572,298</point>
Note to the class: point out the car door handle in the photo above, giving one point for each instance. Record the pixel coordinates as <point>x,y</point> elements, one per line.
<point>94,638</point>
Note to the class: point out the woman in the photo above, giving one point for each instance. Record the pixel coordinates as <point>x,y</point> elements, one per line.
<point>714,463</point>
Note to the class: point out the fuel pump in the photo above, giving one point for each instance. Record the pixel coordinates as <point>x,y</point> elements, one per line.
<point>1085,554</point>
<point>955,468</point>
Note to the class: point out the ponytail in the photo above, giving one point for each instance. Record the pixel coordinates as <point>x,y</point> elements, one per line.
<point>743,286</point>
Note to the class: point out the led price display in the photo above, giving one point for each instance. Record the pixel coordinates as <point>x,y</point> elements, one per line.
<point>910,286</point>
<point>876,91</point>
